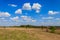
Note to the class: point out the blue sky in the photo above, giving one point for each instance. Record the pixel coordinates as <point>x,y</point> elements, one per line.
<point>33,12</point>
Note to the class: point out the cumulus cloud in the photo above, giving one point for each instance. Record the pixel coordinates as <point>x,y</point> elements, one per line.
<point>37,11</point>
<point>15,18</point>
<point>4,14</point>
<point>52,12</point>
<point>27,6</point>
<point>47,18</point>
<point>37,7</point>
<point>13,5</point>
<point>33,20</point>
<point>28,19</point>
<point>18,11</point>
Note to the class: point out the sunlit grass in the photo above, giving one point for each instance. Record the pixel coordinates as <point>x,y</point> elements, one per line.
<point>15,35</point>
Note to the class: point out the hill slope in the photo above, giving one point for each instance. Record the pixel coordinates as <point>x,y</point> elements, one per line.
<point>26,34</point>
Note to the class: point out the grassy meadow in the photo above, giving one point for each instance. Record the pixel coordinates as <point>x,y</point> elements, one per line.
<point>27,34</point>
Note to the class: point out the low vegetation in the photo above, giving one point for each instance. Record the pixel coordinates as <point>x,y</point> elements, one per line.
<point>52,29</point>
<point>15,35</point>
<point>29,32</point>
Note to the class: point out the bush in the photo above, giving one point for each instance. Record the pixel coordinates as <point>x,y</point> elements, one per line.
<point>52,29</point>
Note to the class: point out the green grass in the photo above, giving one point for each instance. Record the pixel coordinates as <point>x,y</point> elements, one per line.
<point>15,35</point>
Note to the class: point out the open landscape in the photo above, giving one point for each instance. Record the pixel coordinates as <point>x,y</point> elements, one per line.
<point>29,19</point>
<point>27,34</point>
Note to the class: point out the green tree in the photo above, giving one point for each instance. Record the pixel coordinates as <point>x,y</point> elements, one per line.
<point>52,29</point>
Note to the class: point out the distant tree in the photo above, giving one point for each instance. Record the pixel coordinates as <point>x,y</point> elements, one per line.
<point>22,26</point>
<point>29,26</point>
<point>52,29</point>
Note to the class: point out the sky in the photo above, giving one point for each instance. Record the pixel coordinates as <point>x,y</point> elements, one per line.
<point>32,12</point>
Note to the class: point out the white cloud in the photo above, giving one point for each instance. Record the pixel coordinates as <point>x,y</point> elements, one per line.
<point>27,6</point>
<point>36,6</point>
<point>33,20</point>
<point>26,18</point>
<point>37,11</point>
<point>18,11</point>
<point>47,18</point>
<point>4,14</point>
<point>13,5</point>
<point>15,18</point>
<point>52,12</point>
<point>57,19</point>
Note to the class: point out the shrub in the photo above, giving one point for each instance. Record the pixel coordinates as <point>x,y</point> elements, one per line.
<point>52,29</point>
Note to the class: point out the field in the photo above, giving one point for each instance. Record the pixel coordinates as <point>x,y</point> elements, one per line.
<point>27,34</point>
